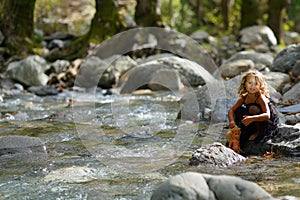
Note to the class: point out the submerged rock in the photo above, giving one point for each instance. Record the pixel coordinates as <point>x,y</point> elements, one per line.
<point>22,149</point>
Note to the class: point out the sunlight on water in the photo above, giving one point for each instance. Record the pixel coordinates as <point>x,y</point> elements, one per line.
<point>116,147</point>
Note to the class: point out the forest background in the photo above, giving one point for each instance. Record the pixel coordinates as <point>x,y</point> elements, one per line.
<point>24,24</point>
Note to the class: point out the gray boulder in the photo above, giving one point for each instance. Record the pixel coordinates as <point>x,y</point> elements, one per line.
<point>293,93</point>
<point>190,72</point>
<point>215,155</point>
<point>261,60</point>
<point>286,59</point>
<point>258,34</point>
<point>29,71</point>
<point>196,186</point>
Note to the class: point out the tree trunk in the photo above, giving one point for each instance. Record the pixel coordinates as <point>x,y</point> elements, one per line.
<point>275,20</point>
<point>16,23</point>
<point>200,12</point>
<point>147,13</point>
<point>226,6</point>
<point>105,23</point>
<point>251,13</point>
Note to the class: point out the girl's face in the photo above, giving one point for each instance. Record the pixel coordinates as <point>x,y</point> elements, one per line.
<point>252,86</point>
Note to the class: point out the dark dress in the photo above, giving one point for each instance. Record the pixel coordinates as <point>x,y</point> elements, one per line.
<point>265,129</point>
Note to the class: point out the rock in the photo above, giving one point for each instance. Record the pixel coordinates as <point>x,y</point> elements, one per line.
<point>261,60</point>
<point>257,34</point>
<point>290,109</point>
<point>195,186</point>
<point>202,36</point>
<point>165,79</point>
<point>291,38</point>
<point>277,80</point>
<point>29,71</point>
<point>74,174</point>
<point>287,142</point>
<point>234,68</point>
<point>43,90</point>
<point>220,111</point>
<point>90,72</point>
<point>190,72</point>
<point>293,94</point>
<point>286,59</point>
<point>22,149</point>
<point>296,69</point>
<point>215,154</point>
<point>118,66</point>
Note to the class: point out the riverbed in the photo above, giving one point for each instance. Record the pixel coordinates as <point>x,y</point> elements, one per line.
<point>116,147</point>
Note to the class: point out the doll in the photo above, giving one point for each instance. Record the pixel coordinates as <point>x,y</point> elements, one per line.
<point>233,138</point>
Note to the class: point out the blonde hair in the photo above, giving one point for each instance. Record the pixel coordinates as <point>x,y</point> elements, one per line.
<point>229,133</point>
<point>260,78</point>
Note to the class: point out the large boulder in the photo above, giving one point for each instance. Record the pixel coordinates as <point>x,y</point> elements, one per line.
<point>196,186</point>
<point>286,59</point>
<point>258,34</point>
<point>190,73</point>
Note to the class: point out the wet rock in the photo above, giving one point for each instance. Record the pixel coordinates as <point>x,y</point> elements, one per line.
<point>74,174</point>
<point>23,149</point>
<point>194,186</point>
<point>215,154</point>
<point>43,90</point>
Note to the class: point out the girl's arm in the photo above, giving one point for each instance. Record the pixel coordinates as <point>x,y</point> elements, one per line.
<point>265,115</point>
<point>232,110</point>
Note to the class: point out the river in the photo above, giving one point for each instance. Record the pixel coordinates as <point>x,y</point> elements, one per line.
<point>116,147</point>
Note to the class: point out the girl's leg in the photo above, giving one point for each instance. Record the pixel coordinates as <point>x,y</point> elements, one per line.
<point>255,110</point>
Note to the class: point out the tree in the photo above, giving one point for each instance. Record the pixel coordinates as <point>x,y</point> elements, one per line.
<point>251,12</point>
<point>293,10</point>
<point>226,6</point>
<point>105,23</point>
<point>17,26</point>
<point>199,8</point>
<point>275,19</point>
<point>147,13</point>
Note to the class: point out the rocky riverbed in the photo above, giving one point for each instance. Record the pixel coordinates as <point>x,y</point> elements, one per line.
<point>116,112</point>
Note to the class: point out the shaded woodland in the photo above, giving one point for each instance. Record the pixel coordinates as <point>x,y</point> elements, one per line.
<point>22,31</point>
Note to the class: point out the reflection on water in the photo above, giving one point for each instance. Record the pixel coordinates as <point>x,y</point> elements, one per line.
<point>115,147</point>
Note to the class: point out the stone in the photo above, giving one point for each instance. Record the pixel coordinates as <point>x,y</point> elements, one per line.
<point>197,186</point>
<point>29,71</point>
<point>215,154</point>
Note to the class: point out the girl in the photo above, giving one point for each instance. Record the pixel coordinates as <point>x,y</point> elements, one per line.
<point>254,111</point>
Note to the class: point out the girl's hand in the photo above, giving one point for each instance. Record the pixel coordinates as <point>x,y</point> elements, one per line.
<point>247,120</point>
<point>232,124</point>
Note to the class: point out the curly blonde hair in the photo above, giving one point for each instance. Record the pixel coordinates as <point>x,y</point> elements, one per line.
<point>260,78</point>
<point>229,133</point>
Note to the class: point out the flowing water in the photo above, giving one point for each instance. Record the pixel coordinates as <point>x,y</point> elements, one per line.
<point>115,147</point>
